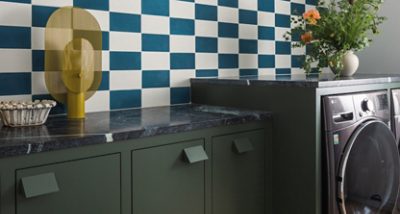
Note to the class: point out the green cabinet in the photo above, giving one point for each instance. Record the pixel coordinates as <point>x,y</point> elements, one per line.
<point>165,181</point>
<point>83,186</point>
<point>218,170</point>
<point>238,173</point>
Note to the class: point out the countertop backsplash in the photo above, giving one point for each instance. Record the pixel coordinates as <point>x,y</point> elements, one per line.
<point>151,48</point>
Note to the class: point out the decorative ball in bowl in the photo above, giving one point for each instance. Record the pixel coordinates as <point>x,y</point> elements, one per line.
<point>22,113</point>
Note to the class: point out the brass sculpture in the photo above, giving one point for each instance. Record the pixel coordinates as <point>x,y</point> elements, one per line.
<point>73,45</point>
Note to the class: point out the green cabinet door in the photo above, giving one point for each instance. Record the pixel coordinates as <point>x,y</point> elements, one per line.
<point>169,179</point>
<point>88,186</point>
<point>238,182</point>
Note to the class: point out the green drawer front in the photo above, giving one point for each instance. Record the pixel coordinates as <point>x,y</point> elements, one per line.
<point>239,173</point>
<point>88,186</point>
<point>169,179</point>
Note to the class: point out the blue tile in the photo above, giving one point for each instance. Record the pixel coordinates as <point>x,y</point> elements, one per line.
<point>296,36</point>
<point>15,37</point>
<point>182,61</point>
<point>248,46</point>
<point>297,61</point>
<point>206,45</point>
<point>105,81</point>
<point>15,83</point>
<point>248,72</point>
<point>180,95</point>
<point>228,3</point>
<point>19,1</point>
<point>155,79</point>
<point>181,26</point>
<point>125,99</point>
<point>312,2</point>
<point>58,109</point>
<point>266,5</point>
<point>125,22</point>
<point>248,17</point>
<point>38,60</point>
<point>125,60</point>
<point>40,15</point>
<point>266,61</point>
<point>266,33</point>
<point>283,71</point>
<point>283,48</point>
<point>228,60</point>
<point>228,30</point>
<point>155,7</point>
<point>153,42</point>
<point>92,4</point>
<point>282,20</point>
<point>206,12</point>
<point>207,73</point>
<point>297,9</point>
<point>106,40</point>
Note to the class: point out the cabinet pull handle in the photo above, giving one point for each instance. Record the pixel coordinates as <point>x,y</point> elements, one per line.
<point>243,145</point>
<point>38,185</point>
<point>195,154</point>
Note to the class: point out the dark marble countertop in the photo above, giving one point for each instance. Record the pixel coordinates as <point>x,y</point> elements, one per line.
<point>302,80</point>
<point>107,127</point>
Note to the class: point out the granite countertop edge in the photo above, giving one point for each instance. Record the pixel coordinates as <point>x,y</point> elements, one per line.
<point>229,116</point>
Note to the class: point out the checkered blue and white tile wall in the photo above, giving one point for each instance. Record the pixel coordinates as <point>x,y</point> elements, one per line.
<point>152,48</point>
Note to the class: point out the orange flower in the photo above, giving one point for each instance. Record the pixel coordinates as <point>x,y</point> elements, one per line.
<point>307,37</point>
<point>312,16</point>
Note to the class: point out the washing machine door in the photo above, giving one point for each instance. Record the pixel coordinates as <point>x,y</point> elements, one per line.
<point>368,180</point>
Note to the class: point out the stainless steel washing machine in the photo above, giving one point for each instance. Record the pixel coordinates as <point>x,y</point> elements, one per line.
<point>361,161</point>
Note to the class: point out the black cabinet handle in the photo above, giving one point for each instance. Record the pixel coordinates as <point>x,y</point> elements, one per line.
<point>195,154</point>
<point>243,145</point>
<point>38,185</point>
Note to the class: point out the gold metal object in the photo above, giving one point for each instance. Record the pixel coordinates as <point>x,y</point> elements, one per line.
<point>73,43</point>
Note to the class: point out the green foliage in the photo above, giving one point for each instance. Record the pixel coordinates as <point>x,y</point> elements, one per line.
<point>345,25</point>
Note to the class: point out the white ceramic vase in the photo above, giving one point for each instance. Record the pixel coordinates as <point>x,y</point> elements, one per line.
<point>350,65</point>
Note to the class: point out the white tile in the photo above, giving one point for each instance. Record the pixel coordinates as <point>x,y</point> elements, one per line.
<point>207,2</point>
<point>38,36</point>
<point>248,31</point>
<point>38,83</point>
<point>280,32</point>
<point>123,41</point>
<point>16,98</point>
<point>181,9</point>
<point>53,3</point>
<point>15,60</point>
<point>282,7</point>
<point>228,14</point>
<point>228,72</point>
<point>155,97</point>
<point>181,78</point>
<point>105,60</point>
<point>299,51</point>
<point>248,4</point>
<point>100,101</point>
<point>248,61</point>
<point>126,6</point>
<point>15,14</point>
<point>297,71</point>
<point>103,18</point>
<point>283,61</point>
<point>155,24</point>
<point>206,28</point>
<point>155,61</point>
<point>124,80</point>
<point>298,1</point>
<point>182,44</point>
<point>266,47</point>
<point>266,71</point>
<point>266,19</point>
<point>226,45</point>
<point>206,61</point>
